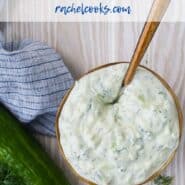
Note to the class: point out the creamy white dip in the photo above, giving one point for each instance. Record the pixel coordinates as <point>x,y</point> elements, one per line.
<point>122,143</point>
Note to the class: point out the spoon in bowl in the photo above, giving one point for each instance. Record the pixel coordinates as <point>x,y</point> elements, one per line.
<point>156,14</point>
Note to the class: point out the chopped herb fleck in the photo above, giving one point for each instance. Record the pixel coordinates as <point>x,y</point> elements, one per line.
<point>8,177</point>
<point>163,180</point>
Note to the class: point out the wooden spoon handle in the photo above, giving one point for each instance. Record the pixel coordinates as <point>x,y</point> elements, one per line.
<point>157,12</point>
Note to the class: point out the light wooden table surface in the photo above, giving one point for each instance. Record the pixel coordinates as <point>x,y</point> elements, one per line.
<point>86,45</point>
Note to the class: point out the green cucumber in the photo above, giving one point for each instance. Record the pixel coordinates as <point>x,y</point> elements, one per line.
<point>22,161</point>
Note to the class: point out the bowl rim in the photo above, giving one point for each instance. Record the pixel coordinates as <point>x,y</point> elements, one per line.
<point>164,165</point>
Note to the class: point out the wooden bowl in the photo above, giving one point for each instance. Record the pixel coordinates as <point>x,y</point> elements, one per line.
<point>169,160</point>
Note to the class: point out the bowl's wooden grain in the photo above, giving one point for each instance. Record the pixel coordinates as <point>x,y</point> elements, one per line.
<point>180,115</point>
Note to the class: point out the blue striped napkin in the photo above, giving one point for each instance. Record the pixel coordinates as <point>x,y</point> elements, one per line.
<point>33,80</point>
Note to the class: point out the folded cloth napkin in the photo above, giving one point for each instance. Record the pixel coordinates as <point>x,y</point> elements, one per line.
<point>33,80</point>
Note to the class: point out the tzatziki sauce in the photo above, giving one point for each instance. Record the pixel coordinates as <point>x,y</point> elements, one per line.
<point>120,143</point>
